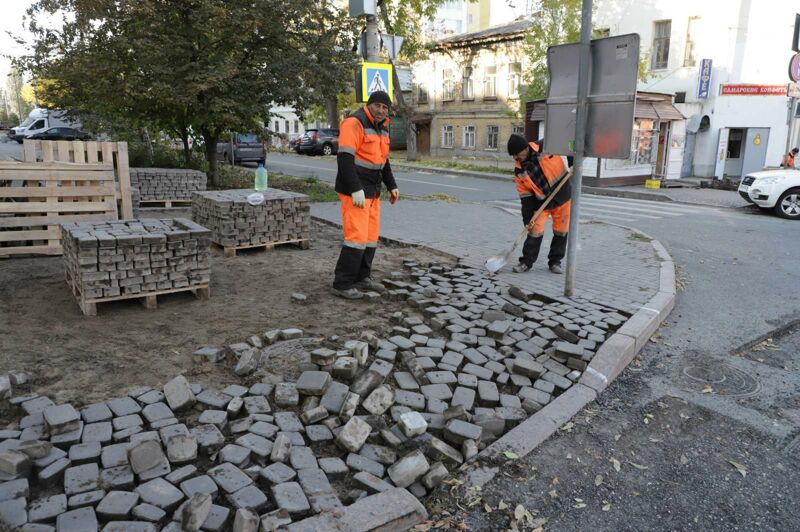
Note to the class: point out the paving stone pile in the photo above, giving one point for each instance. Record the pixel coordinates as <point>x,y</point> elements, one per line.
<point>283,216</point>
<point>160,184</point>
<point>471,359</point>
<point>128,257</point>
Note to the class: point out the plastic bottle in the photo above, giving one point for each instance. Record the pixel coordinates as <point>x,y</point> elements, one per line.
<point>261,178</point>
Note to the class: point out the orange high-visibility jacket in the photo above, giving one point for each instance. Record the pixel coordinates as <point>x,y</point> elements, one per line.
<point>553,169</point>
<point>363,159</point>
<point>788,160</point>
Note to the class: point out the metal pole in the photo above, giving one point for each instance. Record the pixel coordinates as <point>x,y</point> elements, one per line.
<point>789,126</point>
<point>373,39</point>
<point>580,138</point>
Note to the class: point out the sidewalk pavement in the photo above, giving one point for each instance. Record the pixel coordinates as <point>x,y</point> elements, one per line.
<point>617,267</point>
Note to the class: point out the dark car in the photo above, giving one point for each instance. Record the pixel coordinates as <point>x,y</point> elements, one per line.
<point>246,147</point>
<point>319,141</point>
<point>61,133</point>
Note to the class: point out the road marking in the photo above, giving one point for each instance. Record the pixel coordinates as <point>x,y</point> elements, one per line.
<point>656,204</point>
<point>633,209</point>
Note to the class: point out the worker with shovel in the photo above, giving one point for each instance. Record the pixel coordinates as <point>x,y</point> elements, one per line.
<point>537,176</point>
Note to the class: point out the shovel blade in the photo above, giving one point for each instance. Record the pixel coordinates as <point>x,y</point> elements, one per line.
<point>494,264</point>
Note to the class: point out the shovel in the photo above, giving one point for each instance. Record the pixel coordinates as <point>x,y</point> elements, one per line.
<point>496,262</point>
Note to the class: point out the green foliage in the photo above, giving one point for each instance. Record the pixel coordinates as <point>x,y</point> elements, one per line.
<point>207,66</point>
<point>554,22</point>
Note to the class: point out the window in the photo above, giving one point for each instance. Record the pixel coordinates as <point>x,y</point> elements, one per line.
<point>493,134</point>
<point>689,58</point>
<point>39,124</point>
<point>277,128</point>
<point>447,136</point>
<point>467,91</point>
<point>518,130</point>
<point>661,32</point>
<point>447,85</point>
<point>297,126</point>
<point>490,82</point>
<point>735,143</point>
<point>422,93</point>
<point>514,73</point>
<point>645,136</point>
<point>469,137</point>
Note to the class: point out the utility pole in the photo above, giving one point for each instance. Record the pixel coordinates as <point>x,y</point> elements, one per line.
<point>580,141</point>
<point>373,40</point>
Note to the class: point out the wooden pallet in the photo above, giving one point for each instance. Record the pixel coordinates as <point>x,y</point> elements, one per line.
<point>149,300</point>
<point>78,151</point>
<point>167,204</point>
<point>230,251</point>
<point>30,216</point>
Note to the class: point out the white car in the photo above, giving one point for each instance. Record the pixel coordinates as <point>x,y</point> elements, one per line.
<point>777,190</point>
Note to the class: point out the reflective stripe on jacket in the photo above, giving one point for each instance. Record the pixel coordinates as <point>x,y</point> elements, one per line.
<point>535,175</point>
<point>367,143</point>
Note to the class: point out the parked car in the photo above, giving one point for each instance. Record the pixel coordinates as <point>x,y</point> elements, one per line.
<point>776,190</point>
<point>61,133</point>
<point>246,147</point>
<point>319,141</point>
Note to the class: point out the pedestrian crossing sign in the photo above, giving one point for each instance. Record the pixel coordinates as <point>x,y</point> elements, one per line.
<point>376,77</point>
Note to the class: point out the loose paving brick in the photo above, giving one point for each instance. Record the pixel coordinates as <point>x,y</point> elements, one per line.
<point>289,496</point>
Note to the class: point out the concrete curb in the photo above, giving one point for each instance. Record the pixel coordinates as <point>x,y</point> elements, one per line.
<point>452,171</point>
<point>394,509</point>
<point>610,360</point>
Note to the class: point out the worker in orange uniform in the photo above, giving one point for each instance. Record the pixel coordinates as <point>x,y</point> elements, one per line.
<point>535,175</point>
<point>788,159</point>
<point>363,164</point>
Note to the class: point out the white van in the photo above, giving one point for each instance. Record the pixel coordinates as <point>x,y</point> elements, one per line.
<point>40,120</point>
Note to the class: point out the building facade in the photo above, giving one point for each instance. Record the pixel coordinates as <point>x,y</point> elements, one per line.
<point>467,92</point>
<point>726,64</point>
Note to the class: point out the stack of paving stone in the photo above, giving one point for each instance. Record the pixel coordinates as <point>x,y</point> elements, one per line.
<point>282,217</point>
<point>364,416</point>
<point>161,184</point>
<point>135,257</point>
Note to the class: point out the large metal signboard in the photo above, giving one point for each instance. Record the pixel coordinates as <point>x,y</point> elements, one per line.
<point>612,97</point>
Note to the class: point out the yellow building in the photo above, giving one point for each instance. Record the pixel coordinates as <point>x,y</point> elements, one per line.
<point>467,92</point>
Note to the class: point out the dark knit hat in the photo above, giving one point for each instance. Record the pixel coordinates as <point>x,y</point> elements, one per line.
<point>516,143</point>
<point>380,97</point>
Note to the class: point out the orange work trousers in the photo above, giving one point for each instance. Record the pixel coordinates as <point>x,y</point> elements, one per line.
<point>560,217</point>
<point>361,225</point>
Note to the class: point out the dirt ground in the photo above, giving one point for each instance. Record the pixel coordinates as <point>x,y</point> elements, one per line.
<point>71,357</point>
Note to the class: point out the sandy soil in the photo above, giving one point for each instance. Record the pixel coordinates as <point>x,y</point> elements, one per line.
<point>81,359</point>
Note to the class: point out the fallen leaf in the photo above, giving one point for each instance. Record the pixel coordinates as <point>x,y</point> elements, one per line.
<point>617,437</point>
<point>606,507</point>
<point>616,464</point>
<point>553,493</point>
<point>654,440</point>
<point>424,527</point>
<point>739,467</point>
<point>474,502</point>
<point>567,426</point>
<point>519,512</point>
<point>696,519</point>
<point>646,421</point>
<point>578,499</point>
<point>502,506</point>
<point>684,416</point>
<point>684,459</point>
<point>598,480</point>
<point>708,389</point>
<point>510,455</point>
<point>638,466</point>
<point>487,508</point>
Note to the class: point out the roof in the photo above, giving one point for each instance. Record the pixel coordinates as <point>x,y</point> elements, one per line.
<point>504,31</point>
<point>653,105</point>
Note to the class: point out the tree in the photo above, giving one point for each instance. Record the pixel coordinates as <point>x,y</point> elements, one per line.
<point>203,66</point>
<point>18,93</point>
<point>553,22</point>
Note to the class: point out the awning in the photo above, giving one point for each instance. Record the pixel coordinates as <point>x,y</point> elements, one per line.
<point>421,118</point>
<point>652,109</point>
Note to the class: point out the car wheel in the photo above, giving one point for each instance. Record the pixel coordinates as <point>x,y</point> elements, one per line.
<point>788,205</point>
<point>327,149</point>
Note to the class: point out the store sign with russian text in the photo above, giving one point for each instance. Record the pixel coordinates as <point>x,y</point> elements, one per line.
<point>704,85</point>
<point>753,90</point>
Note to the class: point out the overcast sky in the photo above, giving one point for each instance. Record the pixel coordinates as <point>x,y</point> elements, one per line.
<point>11,13</point>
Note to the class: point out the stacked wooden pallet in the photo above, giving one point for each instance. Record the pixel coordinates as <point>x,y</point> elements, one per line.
<point>38,197</point>
<point>282,218</point>
<point>108,261</point>
<point>167,184</point>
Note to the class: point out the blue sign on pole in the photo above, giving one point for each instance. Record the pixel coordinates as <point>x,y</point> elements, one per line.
<point>704,84</point>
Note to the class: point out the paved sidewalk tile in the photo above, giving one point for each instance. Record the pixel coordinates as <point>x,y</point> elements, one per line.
<point>615,268</point>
